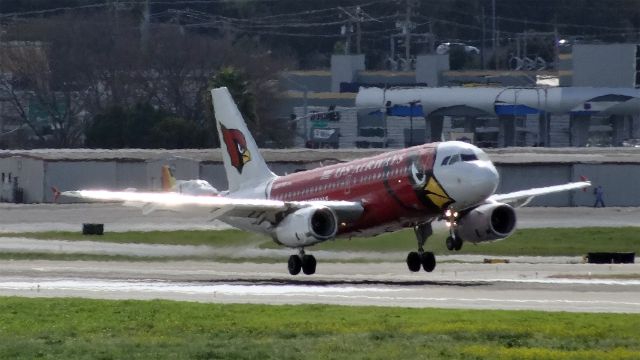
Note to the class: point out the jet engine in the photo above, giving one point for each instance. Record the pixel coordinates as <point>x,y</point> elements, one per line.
<point>307,226</point>
<point>488,222</point>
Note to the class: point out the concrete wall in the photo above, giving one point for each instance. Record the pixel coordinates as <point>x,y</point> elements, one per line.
<point>344,69</point>
<point>429,69</point>
<point>520,177</point>
<point>36,176</point>
<point>30,178</point>
<point>604,65</point>
<point>72,175</point>
<point>131,175</point>
<point>619,182</point>
<point>215,175</point>
<point>386,77</point>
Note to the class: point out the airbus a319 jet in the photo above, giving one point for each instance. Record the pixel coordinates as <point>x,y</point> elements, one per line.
<point>408,188</point>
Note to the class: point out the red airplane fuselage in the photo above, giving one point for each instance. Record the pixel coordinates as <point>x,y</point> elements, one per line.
<point>392,187</point>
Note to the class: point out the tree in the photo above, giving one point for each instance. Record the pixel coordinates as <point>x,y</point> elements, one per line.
<point>143,127</point>
<point>264,126</point>
<point>44,101</point>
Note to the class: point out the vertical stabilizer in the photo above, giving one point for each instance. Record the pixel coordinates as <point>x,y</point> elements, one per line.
<point>168,180</point>
<point>243,163</point>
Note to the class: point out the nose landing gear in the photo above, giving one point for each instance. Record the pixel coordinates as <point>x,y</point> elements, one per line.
<point>453,241</point>
<point>421,258</point>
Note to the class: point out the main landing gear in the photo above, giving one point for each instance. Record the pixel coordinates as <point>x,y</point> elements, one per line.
<point>421,258</point>
<point>306,263</point>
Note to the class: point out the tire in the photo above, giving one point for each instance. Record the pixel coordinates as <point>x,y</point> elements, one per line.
<point>295,264</point>
<point>451,243</point>
<point>413,261</point>
<point>309,264</point>
<point>428,261</point>
<point>457,244</point>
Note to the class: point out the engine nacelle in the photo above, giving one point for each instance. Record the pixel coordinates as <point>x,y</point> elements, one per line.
<point>487,222</point>
<point>307,226</point>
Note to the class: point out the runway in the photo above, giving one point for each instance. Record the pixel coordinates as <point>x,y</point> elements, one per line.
<point>556,287</point>
<point>459,281</point>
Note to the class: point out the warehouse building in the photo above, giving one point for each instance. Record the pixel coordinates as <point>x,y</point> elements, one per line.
<point>28,175</point>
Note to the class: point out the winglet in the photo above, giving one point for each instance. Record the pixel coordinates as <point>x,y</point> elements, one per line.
<point>56,193</point>
<point>585,179</point>
<point>168,180</point>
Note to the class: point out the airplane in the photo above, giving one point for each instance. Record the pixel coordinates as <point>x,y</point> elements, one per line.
<point>189,187</point>
<point>407,188</point>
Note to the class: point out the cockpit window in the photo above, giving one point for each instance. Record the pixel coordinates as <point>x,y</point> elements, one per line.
<point>468,157</point>
<point>452,159</point>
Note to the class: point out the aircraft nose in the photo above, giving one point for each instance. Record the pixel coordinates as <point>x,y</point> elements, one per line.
<point>488,179</point>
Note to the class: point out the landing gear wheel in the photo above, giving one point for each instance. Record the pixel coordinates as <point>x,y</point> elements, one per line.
<point>428,261</point>
<point>451,243</point>
<point>295,264</point>
<point>308,264</point>
<point>413,261</point>
<point>457,244</point>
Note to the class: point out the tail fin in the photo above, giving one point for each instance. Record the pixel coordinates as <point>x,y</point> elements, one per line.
<point>168,180</point>
<point>243,163</point>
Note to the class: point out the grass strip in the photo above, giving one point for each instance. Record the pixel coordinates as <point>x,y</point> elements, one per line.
<point>105,329</point>
<point>176,237</point>
<point>532,242</point>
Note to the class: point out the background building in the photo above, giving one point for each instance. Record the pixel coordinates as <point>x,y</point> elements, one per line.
<point>34,172</point>
<point>490,108</point>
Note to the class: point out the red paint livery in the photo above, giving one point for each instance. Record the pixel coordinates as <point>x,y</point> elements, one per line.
<point>396,179</point>
<point>236,147</point>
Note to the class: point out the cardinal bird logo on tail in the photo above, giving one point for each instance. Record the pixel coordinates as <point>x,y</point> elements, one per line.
<point>236,147</point>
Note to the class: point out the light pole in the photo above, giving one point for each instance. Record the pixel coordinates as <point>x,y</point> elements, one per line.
<point>305,104</point>
<point>411,105</point>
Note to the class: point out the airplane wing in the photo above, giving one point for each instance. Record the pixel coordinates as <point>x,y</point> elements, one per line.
<point>216,205</point>
<point>523,197</point>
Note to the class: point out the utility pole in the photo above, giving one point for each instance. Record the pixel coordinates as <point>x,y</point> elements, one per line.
<point>495,37</point>
<point>348,29</point>
<point>407,31</point>
<point>144,27</point>
<point>114,9</point>
<point>483,47</point>
<point>358,30</point>
<point>405,27</point>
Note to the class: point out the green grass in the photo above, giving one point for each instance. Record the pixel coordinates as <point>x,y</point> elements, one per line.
<point>128,258</point>
<point>104,329</point>
<point>536,242</point>
<point>182,237</point>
